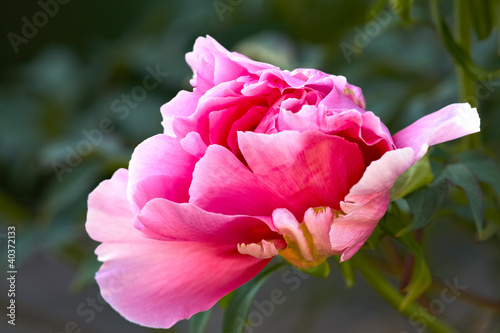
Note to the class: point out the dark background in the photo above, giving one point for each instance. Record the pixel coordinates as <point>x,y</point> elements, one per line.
<point>63,80</point>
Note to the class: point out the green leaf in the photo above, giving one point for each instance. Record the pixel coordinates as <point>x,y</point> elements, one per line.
<point>481,14</point>
<point>424,203</point>
<point>224,301</point>
<point>483,167</point>
<point>321,271</point>
<point>235,316</point>
<point>198,322</point>
<point>396,217</point>
<point>418,175</point>
<point>459,175</point>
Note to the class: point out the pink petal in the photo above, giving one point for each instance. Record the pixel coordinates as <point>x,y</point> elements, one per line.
<point>222,184</point>
<point>101,208</point>
<point>221,97</point>
<point>308,243</point>
<point>355,94</point>
<point>159,186</point>
<point>248,121</point>
<point>308,169</point>
<point>306,119</point>
<point>221,122</point>
<point>319,222</point>
<point>367,202</point>
<point>262,249</point>
<point>366,129</point>
<point>336,99</point>
<point>277,78</point>
<point>166,220</point>
<point>289,227</point>
<point>290,170</point>
<point>162,169</point>
<point>157,283</point>
<point>193,144</point>
<point>182,105</point>
<point>212,64</point>
<point>451,122</point>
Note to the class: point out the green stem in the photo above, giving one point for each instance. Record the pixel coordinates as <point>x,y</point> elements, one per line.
<point>462,25</point>
<point>466,84</point>
<point>417,315</point>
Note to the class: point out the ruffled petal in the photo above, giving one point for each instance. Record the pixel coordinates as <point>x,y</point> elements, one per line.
<point>212,64</point>
<point>307,118</point>
<point>157,283</point>
<point>182,105</point>
<point>337,99</point>
<point>221,97</point>
<point>366,129</point>
<point>451,122</point>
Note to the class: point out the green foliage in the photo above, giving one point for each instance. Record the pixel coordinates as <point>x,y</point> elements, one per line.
<point>459,54</point>
<point>403,8</point>
<point>420,277</point>
<point>459,175</point>
<point>418,175</point>
<point>347,272</point>
<point>235,316</point>
<point>424,204</point>
<point>481,14</point>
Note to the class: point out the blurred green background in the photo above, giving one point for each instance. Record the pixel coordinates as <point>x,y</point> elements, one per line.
<point>59,84</point>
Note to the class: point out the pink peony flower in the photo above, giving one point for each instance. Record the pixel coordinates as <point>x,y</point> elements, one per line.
<point>254,162</point>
